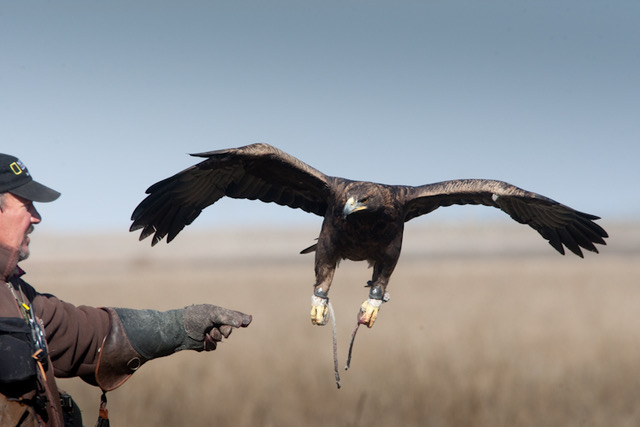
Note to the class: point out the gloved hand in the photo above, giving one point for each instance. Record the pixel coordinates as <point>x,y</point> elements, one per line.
<point>197,327</point>
<point>207,324</point>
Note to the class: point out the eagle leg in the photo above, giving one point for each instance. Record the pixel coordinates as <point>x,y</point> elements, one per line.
<point>319,307</point>
<point>369,309</point>
<point>320,298</point>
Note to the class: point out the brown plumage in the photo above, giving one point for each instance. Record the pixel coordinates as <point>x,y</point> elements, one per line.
<point>362,220</point>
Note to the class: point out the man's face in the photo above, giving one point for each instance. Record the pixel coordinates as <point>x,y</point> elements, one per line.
<point>17,217</point>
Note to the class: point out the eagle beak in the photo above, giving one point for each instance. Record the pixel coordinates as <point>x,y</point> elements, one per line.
<point>352,206</point>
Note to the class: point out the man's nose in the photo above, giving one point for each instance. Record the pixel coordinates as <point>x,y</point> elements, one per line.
<point>35,215</point>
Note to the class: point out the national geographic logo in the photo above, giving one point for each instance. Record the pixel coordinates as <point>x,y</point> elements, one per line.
<point>18,168</point>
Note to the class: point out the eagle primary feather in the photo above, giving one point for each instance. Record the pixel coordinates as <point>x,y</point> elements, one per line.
<point>362,220</point>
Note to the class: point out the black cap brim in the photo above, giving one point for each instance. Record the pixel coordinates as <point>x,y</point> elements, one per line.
<point>36,192</point>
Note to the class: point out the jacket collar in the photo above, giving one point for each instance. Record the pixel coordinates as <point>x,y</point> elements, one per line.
<point>9,263</point>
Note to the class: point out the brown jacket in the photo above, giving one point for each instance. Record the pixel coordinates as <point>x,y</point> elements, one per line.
<point>81,341</point>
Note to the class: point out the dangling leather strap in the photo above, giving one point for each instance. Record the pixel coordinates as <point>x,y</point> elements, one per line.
<point>103,413</point>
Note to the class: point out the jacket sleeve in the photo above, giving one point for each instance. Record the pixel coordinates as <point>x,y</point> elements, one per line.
<point>85,341</point>
<point>74,334</point>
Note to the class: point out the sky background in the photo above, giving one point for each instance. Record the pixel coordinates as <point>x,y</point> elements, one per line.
<point>102,99</point>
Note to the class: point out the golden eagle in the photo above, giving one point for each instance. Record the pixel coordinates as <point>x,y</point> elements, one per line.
<point>362,220</point>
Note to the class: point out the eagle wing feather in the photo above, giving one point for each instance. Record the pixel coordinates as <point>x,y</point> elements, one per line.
<point>255,172</point>
<point>559,224</point>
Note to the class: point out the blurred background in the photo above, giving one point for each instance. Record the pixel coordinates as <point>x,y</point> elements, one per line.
<point>487,326</point>
<point>102,99</point>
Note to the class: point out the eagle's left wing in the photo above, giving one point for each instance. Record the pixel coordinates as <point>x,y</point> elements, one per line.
<point>557,223</point>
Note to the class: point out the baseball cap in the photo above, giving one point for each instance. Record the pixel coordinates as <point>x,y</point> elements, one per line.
<point>16,179</point>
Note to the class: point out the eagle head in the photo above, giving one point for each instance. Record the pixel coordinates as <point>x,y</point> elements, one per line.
<point>366,197</point>
<point>354,204</point>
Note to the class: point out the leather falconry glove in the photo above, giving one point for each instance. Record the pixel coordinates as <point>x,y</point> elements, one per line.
<point>196,327</point>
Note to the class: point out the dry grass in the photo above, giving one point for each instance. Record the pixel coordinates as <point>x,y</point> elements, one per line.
<point>499,338</point>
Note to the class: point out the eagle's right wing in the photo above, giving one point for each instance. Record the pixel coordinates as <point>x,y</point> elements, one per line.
<point>257,171</point>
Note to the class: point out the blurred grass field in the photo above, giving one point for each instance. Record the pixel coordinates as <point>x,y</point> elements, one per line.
<point>487,326</point>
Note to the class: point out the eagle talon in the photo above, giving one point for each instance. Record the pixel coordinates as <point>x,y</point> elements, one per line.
<point>319,310</point>
<point>369,312</point>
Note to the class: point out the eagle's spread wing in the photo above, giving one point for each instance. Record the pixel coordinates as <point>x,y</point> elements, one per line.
<point>557,223</point>
<point>257,171</point>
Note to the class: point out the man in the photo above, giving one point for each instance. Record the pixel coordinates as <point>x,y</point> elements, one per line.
<point>42,337</point>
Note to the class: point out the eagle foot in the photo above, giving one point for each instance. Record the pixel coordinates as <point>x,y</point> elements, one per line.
<point>370,308</point>
<point>319,310</point>
<point>369,312</point>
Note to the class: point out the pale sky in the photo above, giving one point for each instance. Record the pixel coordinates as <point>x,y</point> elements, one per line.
<point>102,99</point>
